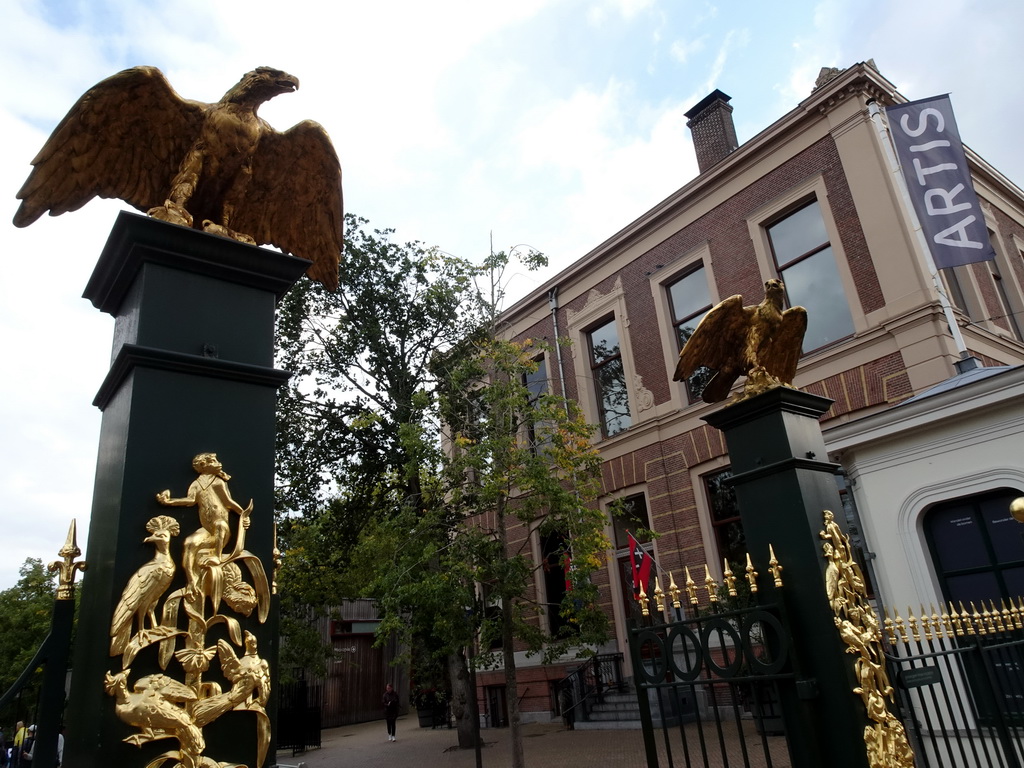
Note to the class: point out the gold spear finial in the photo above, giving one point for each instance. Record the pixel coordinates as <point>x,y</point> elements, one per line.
<point>659,596</point>
<point>710,585</point>
<point>773,566</point>
<point>691,586</point>
<point>673,590</point>
<point>66,568</point>
<point>751,575</point>
<point>730,578</point>
<point>644,602</point>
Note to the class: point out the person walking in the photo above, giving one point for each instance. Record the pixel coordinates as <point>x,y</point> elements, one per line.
<point>390,702</point>
<point>28,748</point>
<point>20,732</point>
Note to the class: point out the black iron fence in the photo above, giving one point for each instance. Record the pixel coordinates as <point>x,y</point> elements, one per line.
<point>709,688</point>
<point>299,716</point>
<point>587,685</point>
<point>959,674</point>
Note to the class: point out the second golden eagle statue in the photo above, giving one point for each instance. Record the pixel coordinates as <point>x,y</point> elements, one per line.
<point>217,167</point>
<point>761,342</point>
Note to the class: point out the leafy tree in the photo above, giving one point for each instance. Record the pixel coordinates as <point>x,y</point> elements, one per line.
<point>355,429</point>
<point>25,613</point>
<point>408,349</point>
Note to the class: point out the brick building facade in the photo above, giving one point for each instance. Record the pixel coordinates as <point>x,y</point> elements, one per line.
<point>817,181</point>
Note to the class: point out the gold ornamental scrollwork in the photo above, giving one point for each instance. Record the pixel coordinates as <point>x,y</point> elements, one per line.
<point>179,706</point>
<point>885,738</point>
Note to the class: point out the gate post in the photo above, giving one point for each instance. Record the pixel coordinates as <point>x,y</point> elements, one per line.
<point>191,373</point>
<point>783,483</point>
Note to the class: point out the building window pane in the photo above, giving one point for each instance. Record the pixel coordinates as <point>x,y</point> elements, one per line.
<point>807,265</point>
<point>725,519</point>
<point>536,383</point>
<point>631,517</point>
<point>977,547</point>
<point>609,378</point>
<point>690,301</point>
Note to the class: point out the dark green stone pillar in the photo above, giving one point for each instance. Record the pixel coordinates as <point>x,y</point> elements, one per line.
<point>783,482</point>
<point>191,372</point>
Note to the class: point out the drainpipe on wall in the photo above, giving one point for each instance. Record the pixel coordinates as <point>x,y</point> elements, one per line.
<point>553,304</point>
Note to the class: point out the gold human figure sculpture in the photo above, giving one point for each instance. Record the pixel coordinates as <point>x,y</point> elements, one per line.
<point>203,555</point>
<point>217,167</point>
<point>761,342</point>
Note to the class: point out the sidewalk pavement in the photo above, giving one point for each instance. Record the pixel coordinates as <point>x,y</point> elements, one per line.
<point>366,745</point>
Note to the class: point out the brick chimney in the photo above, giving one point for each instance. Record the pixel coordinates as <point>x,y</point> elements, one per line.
<point>714,135</point>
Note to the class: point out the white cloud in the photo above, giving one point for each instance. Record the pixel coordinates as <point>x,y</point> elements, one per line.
<point>447,131</point>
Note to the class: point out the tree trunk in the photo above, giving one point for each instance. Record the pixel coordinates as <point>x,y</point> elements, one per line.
<point>511,687</point>
<point>464,708</point>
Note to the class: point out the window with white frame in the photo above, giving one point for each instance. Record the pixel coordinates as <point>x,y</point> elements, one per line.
<point>689,300</point>
<point>609,376</point>
<point>806,264</point>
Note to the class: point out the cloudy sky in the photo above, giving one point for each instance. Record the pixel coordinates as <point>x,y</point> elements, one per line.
<point>547,122</point>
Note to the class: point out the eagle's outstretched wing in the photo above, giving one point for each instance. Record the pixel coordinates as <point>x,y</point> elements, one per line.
<point>717,343</point>
<point>293,199</point>
<point>783,353</point>
<point>124,138</point>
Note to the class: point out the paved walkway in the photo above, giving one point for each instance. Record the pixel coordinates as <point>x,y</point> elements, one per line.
<point>544,745</point>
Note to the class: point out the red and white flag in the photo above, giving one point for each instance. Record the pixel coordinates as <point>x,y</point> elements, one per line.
<point>640,561</point>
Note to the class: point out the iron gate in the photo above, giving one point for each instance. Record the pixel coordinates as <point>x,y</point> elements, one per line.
<point>709,688</point>
<point>960,678</point>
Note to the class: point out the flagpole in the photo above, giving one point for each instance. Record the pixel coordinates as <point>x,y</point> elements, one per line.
<point>875,113</point>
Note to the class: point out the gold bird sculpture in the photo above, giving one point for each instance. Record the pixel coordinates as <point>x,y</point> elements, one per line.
<point>146,586</point>
<point>761,342</point>
<point>217,167</point>
<point>153,706</point>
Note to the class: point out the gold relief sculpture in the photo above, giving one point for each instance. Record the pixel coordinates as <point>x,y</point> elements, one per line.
<point>885,738</point>
<point>761,342</point>
<point>159,705</point>
<point>67,566</point>
<point>217,167</point>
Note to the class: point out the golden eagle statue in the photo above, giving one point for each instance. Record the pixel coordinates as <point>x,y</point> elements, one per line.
<point>217,167</point>
<point>761,342</point>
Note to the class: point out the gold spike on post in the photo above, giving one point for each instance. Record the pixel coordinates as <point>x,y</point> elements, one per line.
<point>974,625</point>
<point>936,622</point>
<point>730,578</point>
<point>901,628</point>
<point>912,623</point>
<point>67,566</point>
<point>1015,613</point>
<point>659,596</point>
<point>644,602</point>
<point>691,586</point>
<point>958,624</point>
<point>673,590</point>
<point>887,623</point>
<point>773,566</point>
<point>986,617</point>
<point>926,623</point>
<point>710,585</point>
<point>997,616</point>
<point>947,623</point>
<point>751,575</point>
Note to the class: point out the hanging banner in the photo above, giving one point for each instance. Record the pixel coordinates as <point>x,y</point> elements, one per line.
<point>640,561</point>
<point>935,169</point>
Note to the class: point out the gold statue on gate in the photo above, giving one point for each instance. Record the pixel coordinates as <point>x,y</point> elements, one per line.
<point>159,705</point>
<point>761,342</point>
<point>885,739</point>
<point>217,167</point>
